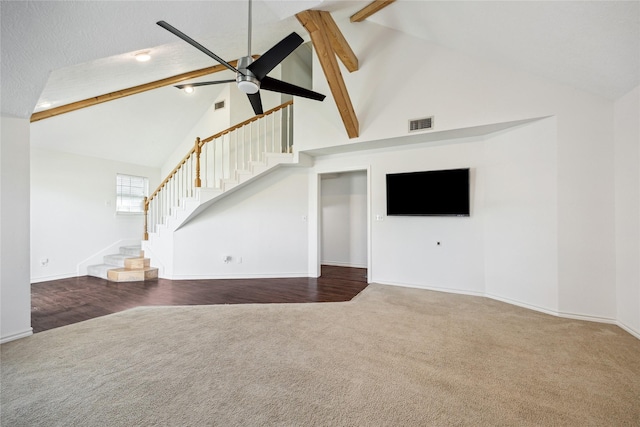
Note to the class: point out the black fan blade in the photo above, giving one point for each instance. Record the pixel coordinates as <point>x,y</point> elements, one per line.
<point>274,85</point>
<point>204,83</point>
<point>195,44</point>
<point>275,55</point>
<point>256,102</point>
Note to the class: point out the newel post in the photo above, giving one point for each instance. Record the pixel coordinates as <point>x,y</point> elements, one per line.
<point>146,216</point>
<point>198,182</point>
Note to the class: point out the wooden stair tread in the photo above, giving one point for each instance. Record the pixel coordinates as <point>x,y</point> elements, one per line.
<point>136,263</point>
<point>132,275</point>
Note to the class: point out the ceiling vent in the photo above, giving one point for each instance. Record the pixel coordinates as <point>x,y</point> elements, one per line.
<point>421,124</point>
<point>218,105</point>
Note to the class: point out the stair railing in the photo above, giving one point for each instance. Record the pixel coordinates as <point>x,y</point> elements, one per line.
<point>220,157</point>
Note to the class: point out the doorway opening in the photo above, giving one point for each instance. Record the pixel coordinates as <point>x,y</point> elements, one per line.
<point>343,220</point>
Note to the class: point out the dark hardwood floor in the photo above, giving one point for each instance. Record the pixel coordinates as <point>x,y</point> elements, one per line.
<point>62,302</point>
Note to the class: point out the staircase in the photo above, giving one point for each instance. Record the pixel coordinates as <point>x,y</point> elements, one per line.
<point>129,265</point>
<point>214,168</point>
<point>201,198</point>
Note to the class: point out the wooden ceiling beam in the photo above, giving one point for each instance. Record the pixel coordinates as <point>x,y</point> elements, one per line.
<point>314,21</point>
<point>370,9</point>
<point>339,43</point>
<point>45,114</point>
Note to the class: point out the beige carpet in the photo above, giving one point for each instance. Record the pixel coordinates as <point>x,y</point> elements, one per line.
<point>391,357</point>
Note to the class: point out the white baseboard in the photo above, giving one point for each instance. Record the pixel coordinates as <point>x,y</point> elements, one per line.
<point>343,264</point>
<point>235,276</point>
<point>16,336</point>
<point>564,315</point>
<point>55,277</point>
<point>433,288</point>
<point>629,329</point>
<point>522,304</point>
<point>597,319</point>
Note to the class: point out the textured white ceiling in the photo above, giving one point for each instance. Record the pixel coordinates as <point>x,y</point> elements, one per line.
<point>72,50</point>
<point>64,51</point>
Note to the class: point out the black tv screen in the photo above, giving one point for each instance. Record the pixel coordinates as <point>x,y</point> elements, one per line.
<point>429,193</point>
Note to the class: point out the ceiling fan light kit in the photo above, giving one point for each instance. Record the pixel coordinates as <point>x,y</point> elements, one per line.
<point>246,80</point>
<point>251,76</point>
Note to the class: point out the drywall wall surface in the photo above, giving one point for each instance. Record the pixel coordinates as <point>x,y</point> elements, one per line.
<point>211,122</point>
<point>520,215</point>
<point>296,68</point>
<point>344,219</point>
<point>458,91</point>
<point>15,289</point>
<point>586,243</point>
<point>443,253</point>
<point>627,201</point>
<point>262,228</point>
<point>462,92</point>
<point>73,210</point>
<point>507,248</point>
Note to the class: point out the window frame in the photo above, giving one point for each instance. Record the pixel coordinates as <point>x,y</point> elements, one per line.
<point>131,195</point>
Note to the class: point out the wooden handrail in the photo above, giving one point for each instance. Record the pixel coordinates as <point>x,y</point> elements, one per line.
<point>246,122</point>
<point>197,150</point>
<point>172,173</point>
<point>211,138</point>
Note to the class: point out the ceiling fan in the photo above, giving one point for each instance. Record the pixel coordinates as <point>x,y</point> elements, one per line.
<point>251,76</point>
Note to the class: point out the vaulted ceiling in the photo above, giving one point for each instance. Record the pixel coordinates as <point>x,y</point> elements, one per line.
<point>65,51</point>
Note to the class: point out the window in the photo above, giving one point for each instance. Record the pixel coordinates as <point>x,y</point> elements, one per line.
<point>130,193</point>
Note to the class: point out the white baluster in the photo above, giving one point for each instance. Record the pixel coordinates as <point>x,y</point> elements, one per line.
<point>211,160</point>
<point>190,176</point>
<point>289,125</point>
<point>250,144</point>
<point>264,136</point>
<point>273,131</point>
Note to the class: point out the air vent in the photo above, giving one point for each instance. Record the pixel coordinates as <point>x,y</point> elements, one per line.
<point>218,105</point>
<point>420,124</point>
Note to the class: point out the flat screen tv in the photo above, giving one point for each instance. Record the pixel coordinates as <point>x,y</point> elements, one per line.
<point>429,193</point>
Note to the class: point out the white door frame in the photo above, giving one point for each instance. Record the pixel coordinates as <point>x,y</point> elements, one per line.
<point>315,212</point>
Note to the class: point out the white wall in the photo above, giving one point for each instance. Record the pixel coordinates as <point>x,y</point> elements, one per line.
<point>73,210</point>
<point>519,211</point>
<point>211,122</point>
<point>586,246</point>
<point>462,92</point>
<point>15,289</point>
<point>506,249</point>
<point>296,68</point>
<point>344,219</point>
<point>262,227</point>
<point>627,202</point>
<point>404,250</point>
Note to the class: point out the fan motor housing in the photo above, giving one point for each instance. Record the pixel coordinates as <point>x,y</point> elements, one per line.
<point>246,80</point>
